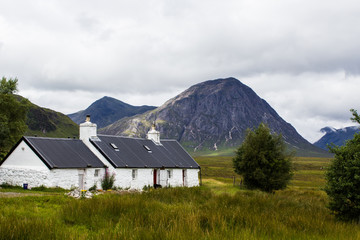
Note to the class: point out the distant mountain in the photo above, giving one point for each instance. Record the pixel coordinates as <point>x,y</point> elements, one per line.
<point>336,136</point>
<point>49,123</point>
<point>107,110</point>
<point>212,115</point>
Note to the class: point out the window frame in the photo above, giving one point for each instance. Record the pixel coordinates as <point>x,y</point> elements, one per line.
<point>134,174</point>
<point>169,173</point>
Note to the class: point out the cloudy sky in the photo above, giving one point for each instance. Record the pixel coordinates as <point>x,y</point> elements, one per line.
<point>301,56</point>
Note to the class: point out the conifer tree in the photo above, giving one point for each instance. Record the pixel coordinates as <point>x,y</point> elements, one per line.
<point>262,160</point>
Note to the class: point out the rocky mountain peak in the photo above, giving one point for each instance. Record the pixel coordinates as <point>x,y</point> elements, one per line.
<point>210,115</point>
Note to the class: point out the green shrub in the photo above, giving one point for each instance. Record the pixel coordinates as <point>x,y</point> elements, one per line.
<point>343,178</point>
<point>42,188</point>
<point>146,188</point>
<point>93,188</point>
<point>7,185</point>
<point>108,180</point>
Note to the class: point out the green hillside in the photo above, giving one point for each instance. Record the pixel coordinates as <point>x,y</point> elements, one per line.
<point>45,122</point>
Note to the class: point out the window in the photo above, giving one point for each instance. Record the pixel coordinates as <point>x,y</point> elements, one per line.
<point>169,173</point>
<point>96,174</point>
<point>114,147</point>
<point>134,174</point>
<point>147,149</point>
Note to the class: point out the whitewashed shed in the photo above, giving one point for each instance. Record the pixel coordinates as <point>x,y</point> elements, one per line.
<point>52,162</point>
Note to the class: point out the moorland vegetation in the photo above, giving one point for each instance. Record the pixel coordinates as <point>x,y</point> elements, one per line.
<point>217,210</point>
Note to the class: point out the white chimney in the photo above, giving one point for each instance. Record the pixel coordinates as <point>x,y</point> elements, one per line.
<point>154,135</point>
<point>87,129</point>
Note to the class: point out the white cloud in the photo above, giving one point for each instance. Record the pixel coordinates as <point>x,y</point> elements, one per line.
<point>300,56</point>
<point>310,101</point>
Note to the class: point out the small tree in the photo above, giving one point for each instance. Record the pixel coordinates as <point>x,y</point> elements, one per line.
<point>262,160</point>
<point>343,178</point>
<point>12,115</point>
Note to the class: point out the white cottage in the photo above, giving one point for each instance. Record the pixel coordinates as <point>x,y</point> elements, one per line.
<point>68,163</point>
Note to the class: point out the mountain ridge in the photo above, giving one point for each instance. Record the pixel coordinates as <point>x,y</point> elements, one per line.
<point>335,136</point>
<point>107,110</point>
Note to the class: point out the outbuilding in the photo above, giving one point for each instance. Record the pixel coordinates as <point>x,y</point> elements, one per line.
<point>51,162</point>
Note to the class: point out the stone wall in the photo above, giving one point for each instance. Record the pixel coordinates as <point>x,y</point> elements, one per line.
<point>19,176</point>
<point>64,178</point>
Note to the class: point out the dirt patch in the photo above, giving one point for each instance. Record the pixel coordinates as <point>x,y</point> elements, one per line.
<point>17,194</point>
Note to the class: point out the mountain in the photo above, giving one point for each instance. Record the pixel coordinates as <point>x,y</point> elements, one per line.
<point>48,123</point>
<point>336,136</point>
<point>212,115</point>
<point>107,110</point>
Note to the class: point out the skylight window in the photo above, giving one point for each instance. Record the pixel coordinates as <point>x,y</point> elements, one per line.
<point>147,149</point>
<point>114,147</point>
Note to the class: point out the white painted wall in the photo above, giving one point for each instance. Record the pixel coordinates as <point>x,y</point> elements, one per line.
<point>24,157</point>
<point>176,178</point>
<point>145,177</point>
<point>92,180</point>
<point>123,178</point>
<point>64,178</point>
<point>69,178</point>
<point>192,177</point>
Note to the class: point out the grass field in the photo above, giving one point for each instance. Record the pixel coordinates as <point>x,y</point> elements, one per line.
<point>308,172</point>
<point>216,210</point>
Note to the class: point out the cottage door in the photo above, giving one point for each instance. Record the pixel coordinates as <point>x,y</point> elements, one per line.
<point>81,181</point>
<point>155,177</point>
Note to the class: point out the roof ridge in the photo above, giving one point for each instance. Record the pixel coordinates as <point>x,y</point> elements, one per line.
<point>51,138</point>
<point>128,137</point>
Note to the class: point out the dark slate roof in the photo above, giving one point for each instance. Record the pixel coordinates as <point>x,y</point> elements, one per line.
<point>63,152</point>
<point>132,153</point>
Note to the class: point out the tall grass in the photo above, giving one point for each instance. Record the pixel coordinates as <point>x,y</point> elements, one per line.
<point>217,210</point>
<point>308,171</point>
<point>176,213</point>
